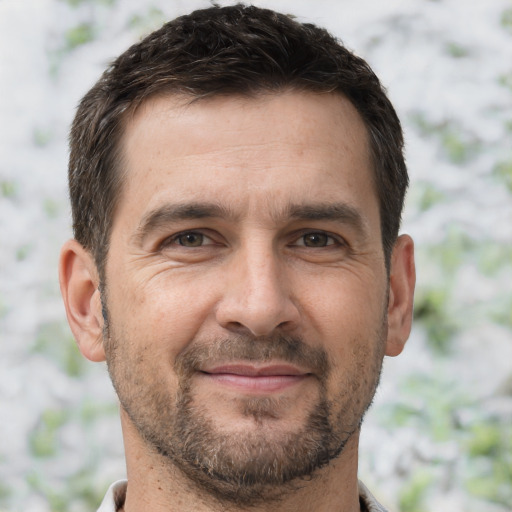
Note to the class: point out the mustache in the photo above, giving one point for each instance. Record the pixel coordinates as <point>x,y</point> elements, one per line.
<point>249,348</point>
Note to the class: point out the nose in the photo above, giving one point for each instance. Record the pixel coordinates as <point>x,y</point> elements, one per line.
<point>257,295</point>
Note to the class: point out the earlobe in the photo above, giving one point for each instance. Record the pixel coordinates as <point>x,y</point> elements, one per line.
<point>79,284</point>
<point>401,293</point>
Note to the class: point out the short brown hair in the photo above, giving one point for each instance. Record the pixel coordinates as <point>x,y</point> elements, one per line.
<point>236,50</point>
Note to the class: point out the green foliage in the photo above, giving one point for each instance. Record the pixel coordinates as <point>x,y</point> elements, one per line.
<point>90,411</point>
<point>490,450</point>
<point>43,440</point>
<point>412,495</point>
<point>3,307</point>
<point>506,81</point>
<point>23,251</point>
<point>428,405</point>
<point>457,145</point>
<point>456,50</point>
<point>431,311</point>
<point>148,21</point>
<point>506,19</point>
<point>77,489</point>
<point>8,188</point>
<point>455,248</point>
<point>485,440</point>
<point>79,35</point>
<point>401,414</point>
<point>41,137</point>
<point>430,196</point>
<point>51,208</point>
<point>492,257</point>
<point>33,479</point>
<point>432,406</point>
<point>78,3</point>
<point>5,492</point>
<point>503,314</point>
<point>457,150</point>
<point>503,171</point>
<point>423,125</point>
<point>80,487</point>
<point>55,341</point>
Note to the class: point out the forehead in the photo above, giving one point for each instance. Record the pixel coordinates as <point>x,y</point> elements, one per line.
<point>250,152</point>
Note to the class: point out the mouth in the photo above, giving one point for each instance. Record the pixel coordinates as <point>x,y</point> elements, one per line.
<point>251,378</point>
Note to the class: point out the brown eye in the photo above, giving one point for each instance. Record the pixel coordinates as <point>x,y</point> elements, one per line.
<point>316,240</point>
<point>190,239</point>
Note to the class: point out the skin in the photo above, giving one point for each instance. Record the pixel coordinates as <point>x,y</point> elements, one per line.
<point>243,219</point>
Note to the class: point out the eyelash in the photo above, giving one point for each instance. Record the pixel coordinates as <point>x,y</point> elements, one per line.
<point>330,239</point>
<point>174,239</point>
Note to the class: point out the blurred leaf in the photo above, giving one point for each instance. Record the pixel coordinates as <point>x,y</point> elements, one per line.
<point>91,411</point>
<point>431,310</point>
<point>77,3</point>
<point>490,443</point>
<point>148,21</point>
<point>430,196</point>
<point>456,247</point>
<point>43,439</point>
<point>81,487</point>
<point>457,144</point>
<point>51,208</point>
<point>493,256</point>
<point>456,50</point>
<point>41,137</point>
<point>485,440</point>
<point>33,480</point>
<point>506,19</point>
<point>503,314</point>
<point>412,495</point>
<point>457,150</point>
<point>57,502</point>
<point>503,171</point>
<point>23,251</point>
<point>8,188</point>
<point>55,341</point>
<point>5,492</point>
<point>3,307</point>
<point>506,80</point>
<point>79,35</point>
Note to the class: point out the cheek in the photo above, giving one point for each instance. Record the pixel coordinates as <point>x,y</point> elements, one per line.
<point>344,308</point>
<point>162,313</point>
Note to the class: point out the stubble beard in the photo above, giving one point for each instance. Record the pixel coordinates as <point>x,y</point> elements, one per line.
<point>259,465</point>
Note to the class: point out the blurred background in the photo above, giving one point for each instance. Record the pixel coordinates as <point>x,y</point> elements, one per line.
<point>439,436</point>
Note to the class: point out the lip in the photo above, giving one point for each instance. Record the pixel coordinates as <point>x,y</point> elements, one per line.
<point>256,379</point>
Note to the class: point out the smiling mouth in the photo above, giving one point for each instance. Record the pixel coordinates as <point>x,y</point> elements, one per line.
<point>253,379</point>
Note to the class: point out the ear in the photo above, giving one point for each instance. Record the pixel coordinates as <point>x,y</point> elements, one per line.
<point>79,285</point>
<point>402,280</point>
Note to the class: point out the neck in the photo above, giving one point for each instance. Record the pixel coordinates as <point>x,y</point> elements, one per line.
<point>155,484</point>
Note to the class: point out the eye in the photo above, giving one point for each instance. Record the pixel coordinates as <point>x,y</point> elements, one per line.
<point>188,239</point>
<point>316,239</point>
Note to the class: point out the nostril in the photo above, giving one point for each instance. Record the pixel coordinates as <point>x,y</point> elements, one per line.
<point>236,327</point>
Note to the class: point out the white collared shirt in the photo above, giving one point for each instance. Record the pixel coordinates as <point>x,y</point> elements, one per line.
<point>116,494</point>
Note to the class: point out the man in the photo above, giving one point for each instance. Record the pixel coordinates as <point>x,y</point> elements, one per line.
<point>237,182</point>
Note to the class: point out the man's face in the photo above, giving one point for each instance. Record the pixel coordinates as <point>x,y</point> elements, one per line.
<point>246,288</point>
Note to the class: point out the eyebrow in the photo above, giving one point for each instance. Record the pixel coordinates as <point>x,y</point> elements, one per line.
<point>340,212</point>
<point>169,213</point>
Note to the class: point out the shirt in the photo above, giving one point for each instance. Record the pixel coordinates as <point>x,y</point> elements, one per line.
<point>116,494</point>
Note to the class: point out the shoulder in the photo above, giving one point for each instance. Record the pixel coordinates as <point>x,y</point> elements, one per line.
<point>114,498</point>
<point>368,501</point>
